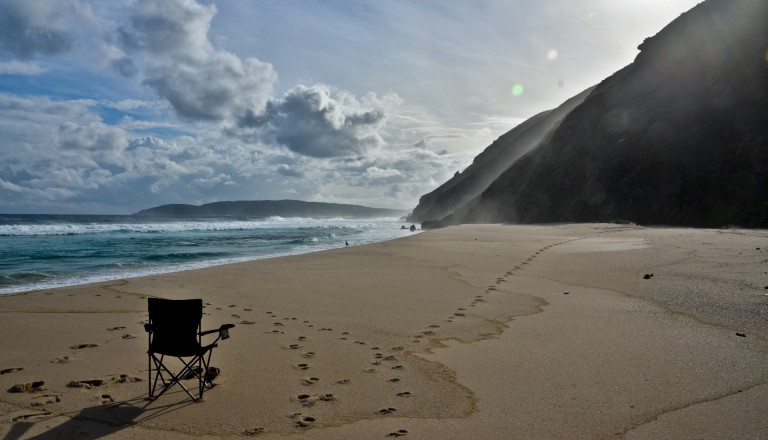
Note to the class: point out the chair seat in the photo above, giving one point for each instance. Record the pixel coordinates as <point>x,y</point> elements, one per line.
<point>198,350</point>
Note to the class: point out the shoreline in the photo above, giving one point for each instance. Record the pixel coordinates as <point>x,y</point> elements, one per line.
<point>128,269</point>
<point>452,333</point>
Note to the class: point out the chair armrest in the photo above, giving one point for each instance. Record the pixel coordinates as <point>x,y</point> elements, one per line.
<point>223,331</point>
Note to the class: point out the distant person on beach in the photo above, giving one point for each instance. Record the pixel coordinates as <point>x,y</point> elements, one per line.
<point>346,243</point>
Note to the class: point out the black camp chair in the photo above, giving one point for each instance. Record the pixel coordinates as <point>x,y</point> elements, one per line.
<point>174,331</point>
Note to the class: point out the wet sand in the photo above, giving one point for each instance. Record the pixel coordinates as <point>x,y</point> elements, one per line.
<point>479,331</point>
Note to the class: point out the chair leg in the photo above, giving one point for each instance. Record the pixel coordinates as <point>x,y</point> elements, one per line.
<point>149,374</point>
<point>201,361</point>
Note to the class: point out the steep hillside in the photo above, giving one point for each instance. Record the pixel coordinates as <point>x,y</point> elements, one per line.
<point>493,161</point>
<point>678,137</point>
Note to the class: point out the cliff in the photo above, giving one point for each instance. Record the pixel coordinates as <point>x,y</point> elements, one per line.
<point>678,137</point>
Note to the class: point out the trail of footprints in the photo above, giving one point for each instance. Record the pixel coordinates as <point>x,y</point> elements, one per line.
<point>301,341</point>
<point>380,360</point>
<point>480,299</point>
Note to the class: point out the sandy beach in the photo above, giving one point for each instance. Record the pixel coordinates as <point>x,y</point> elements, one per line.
<point>591,331</point>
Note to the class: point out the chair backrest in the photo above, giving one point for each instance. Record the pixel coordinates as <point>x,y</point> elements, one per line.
<point>175,326</point>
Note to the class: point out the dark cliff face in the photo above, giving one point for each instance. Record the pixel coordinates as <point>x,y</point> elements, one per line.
<point>679,137</point>
<point>493,161</point>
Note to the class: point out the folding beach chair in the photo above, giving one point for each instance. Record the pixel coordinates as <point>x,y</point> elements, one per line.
<point>174,331</point>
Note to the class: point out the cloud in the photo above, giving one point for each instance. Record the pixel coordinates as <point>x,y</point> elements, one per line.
<point>181,65</point>
<point>92,136</point>
<point>376,173</point>
<point>30,27</point>
<point>286,170</point>
<point>14,67</point>
<point>315,122</point>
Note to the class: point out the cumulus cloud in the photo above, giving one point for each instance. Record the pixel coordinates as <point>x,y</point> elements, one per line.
<point>315,122</point>
<point>93,136</point>
<point>181,65</point>
<point>286,170</point>
<point>30,27</point>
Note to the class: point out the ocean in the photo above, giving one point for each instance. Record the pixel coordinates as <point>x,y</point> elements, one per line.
<point>45,251</point>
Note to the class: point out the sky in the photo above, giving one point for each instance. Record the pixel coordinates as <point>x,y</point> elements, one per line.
<point>110,107</point>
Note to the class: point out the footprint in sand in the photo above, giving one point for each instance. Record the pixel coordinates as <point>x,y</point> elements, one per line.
<point>387,410</point>
<point>308,354</point>
<point>124,378</point>
<point>343,381</point>
<point>310,380</point>
<point>404,394</point>
<point>236,316</point>
<point>10,370</point>
<point>398,367</point>
<point>370,370</point>
<point>27,387</point>
<point>81,346</point>
<point>398,433</point>
<point>302,366</point>
<point>247,310</point>
<point>247,322</point>
<point>61,360</point>
<point>106,398</point>
<point>394,380</point>
<point>295,346</point>
<point>301,338</point>
<point>36,417</point>
<point>128,336</point>
<point>308,401</point>
<point>87,384</point>
<point>305,421</point>
<point>115,328</point>
<point>45,399</point>
<point>254,431</point>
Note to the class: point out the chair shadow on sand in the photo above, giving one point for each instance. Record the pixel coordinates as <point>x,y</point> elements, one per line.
<point>96,421</point>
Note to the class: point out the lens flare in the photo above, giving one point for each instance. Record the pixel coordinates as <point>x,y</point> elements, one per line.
<point>552,55</point>
<point>517,90</point>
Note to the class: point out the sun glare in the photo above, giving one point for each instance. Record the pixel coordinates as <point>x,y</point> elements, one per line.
<point>552,55</point>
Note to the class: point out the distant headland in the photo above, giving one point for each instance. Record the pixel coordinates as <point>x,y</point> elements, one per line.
<point>270,208</point>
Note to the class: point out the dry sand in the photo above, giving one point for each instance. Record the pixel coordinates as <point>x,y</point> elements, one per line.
<point>481,331</point>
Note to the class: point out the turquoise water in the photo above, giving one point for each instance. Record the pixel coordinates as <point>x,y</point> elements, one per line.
<point>44,251</point>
